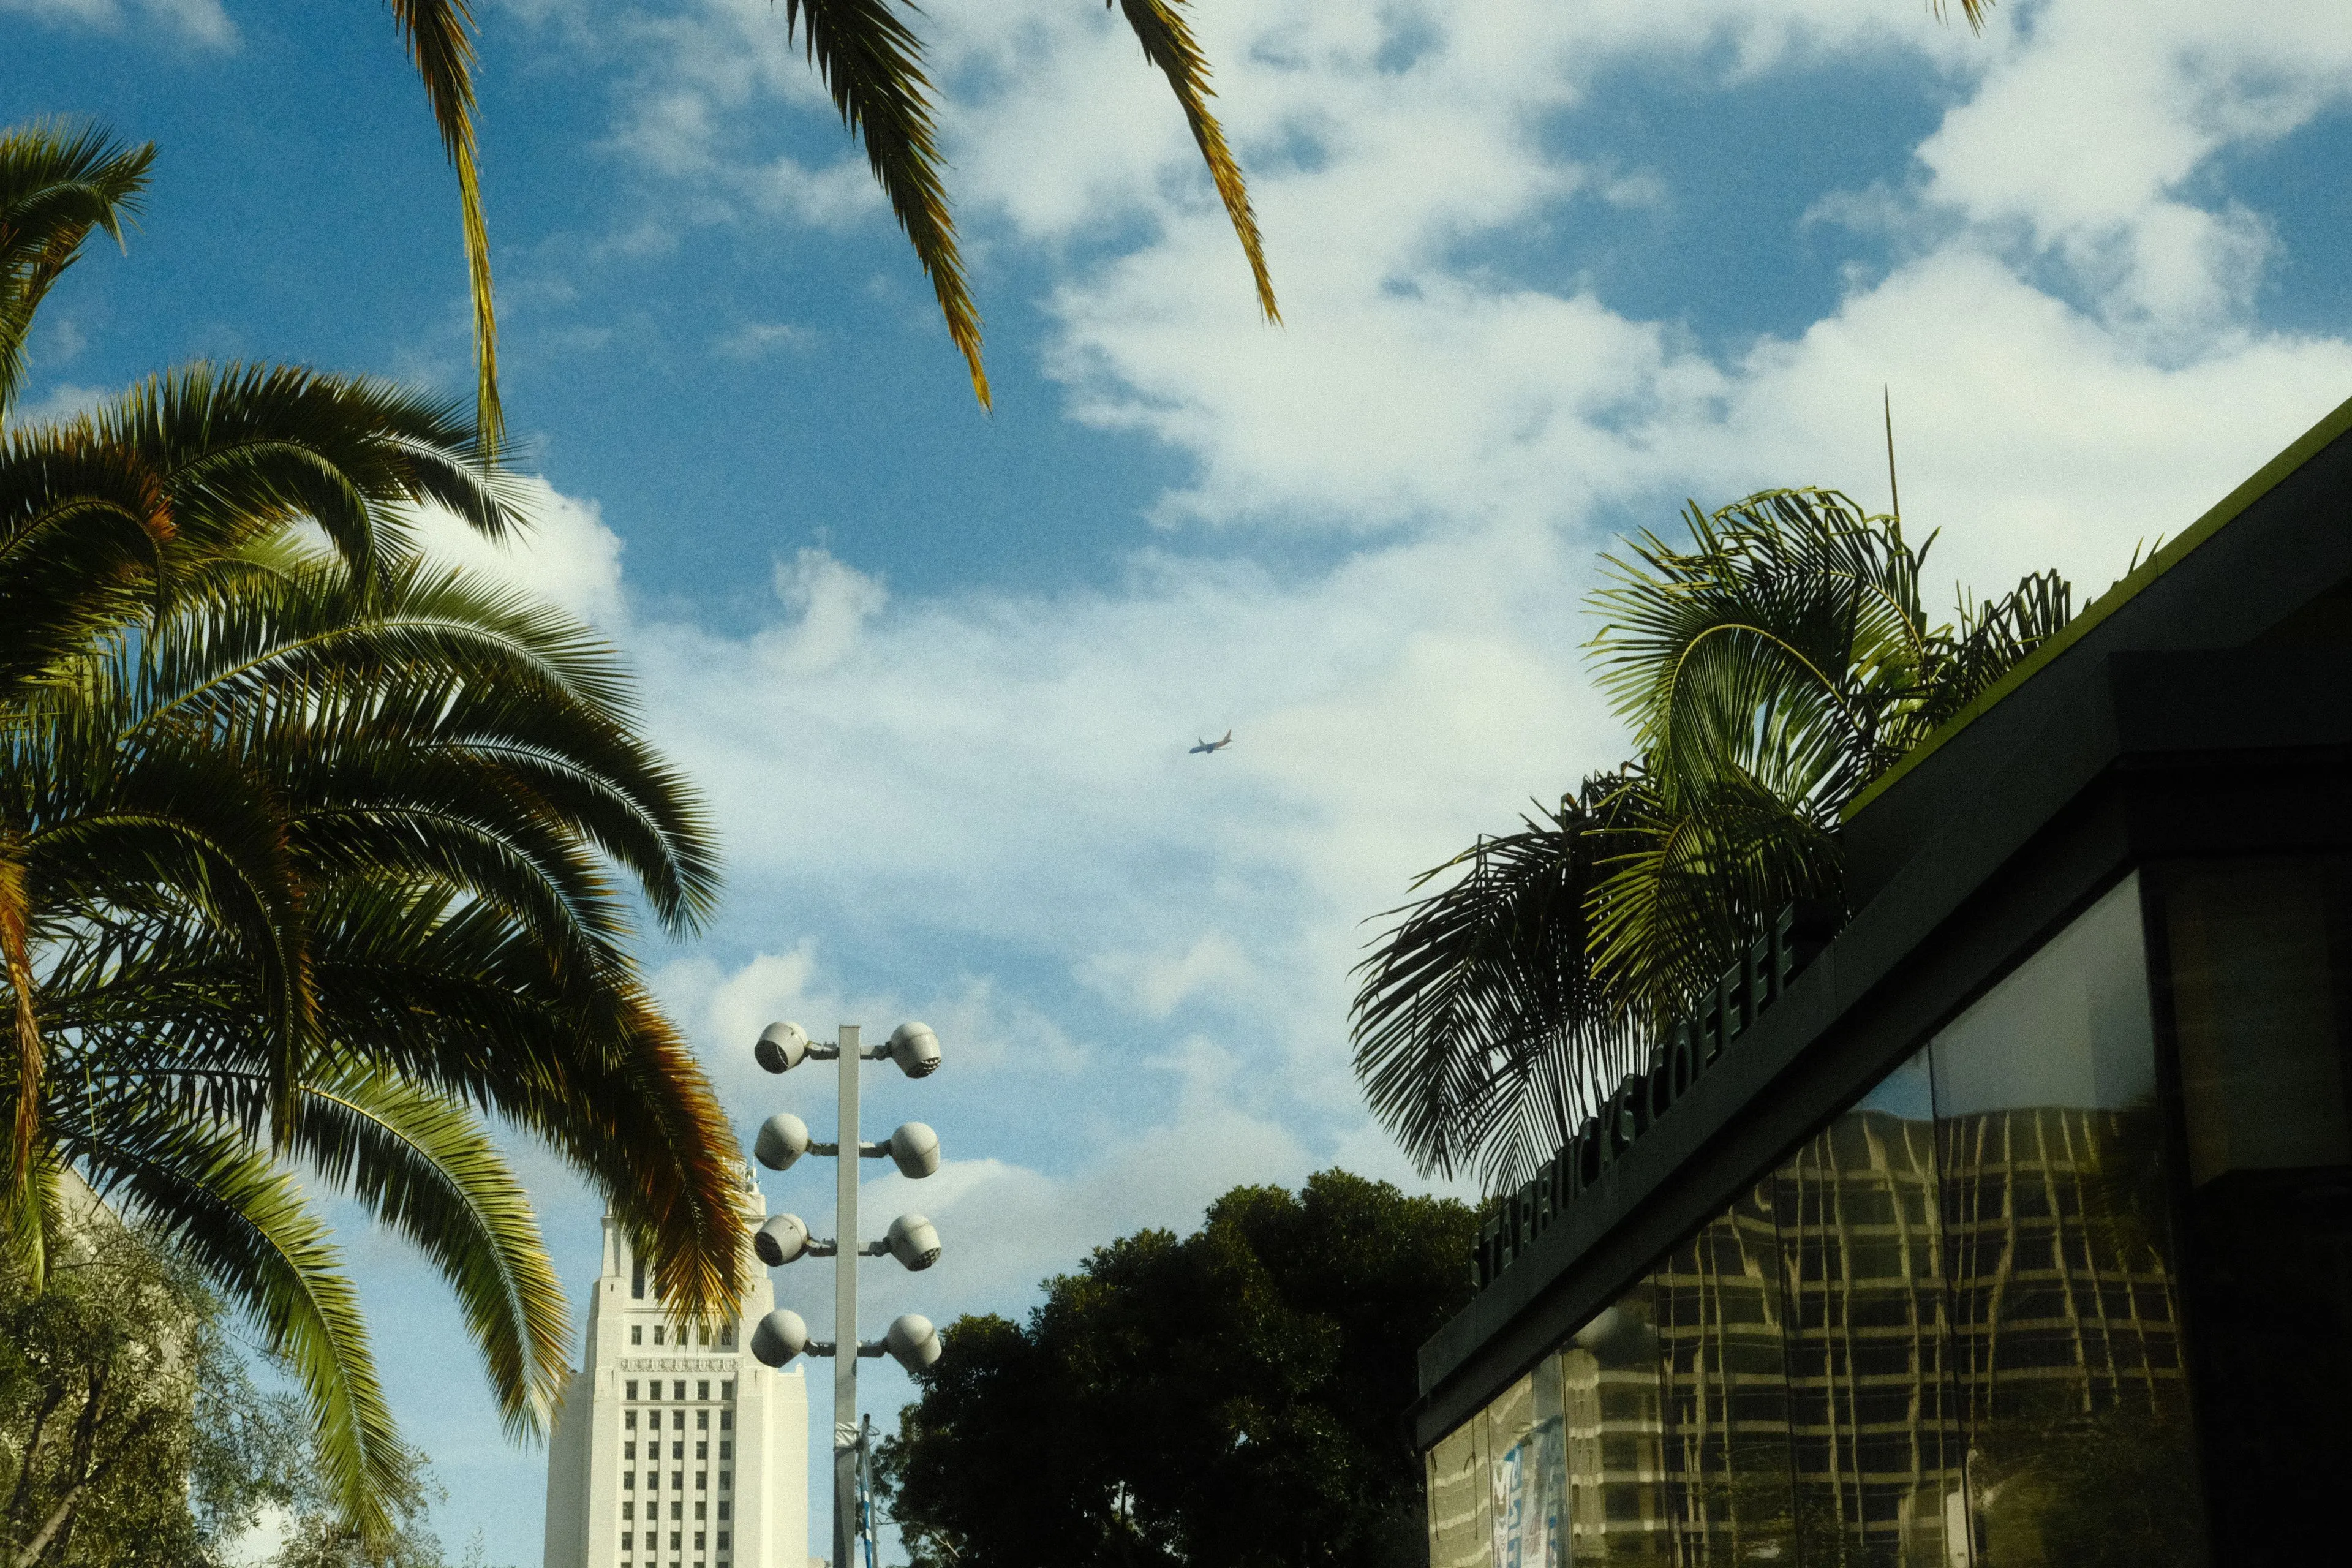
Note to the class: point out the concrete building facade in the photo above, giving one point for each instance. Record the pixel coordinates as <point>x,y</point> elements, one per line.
<point>674,1448</point>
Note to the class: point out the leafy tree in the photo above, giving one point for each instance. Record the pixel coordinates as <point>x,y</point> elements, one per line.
<point>1769,669</point>
<point>129,1428</point>
<point>311,852</point>
<point>1237,1396</point>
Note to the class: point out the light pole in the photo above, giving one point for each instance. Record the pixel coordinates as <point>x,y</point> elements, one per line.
<point>914,1147</point>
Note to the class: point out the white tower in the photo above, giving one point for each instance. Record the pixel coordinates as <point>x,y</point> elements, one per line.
<point>674,1448</point>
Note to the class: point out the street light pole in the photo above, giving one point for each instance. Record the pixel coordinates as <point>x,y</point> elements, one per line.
<point>845,1308</point>
<point>783,1238</point>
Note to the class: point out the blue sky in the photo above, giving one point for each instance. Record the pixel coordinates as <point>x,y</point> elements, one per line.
<point>1547,265</point>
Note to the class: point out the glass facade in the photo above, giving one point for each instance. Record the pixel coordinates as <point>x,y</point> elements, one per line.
<point>1947,1331</point>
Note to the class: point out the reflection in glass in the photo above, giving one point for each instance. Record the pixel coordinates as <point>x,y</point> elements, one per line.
<point>2063,1279</point>
<point>1722,1363</point>
<point>1611,1385</point>
<point>1527,1471</point>
<point>1461,1532</point>
<point>2257,955</point>
<point>1874,1434</point>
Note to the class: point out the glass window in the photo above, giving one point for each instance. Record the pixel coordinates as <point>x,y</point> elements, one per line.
<point>1529,1476</point>
<point>658,1333</point>
<point>702,1450</point>
<point>676,1420</point>
<point>2258,976</point>
<point>727,1421</point>
<point>629,1420</point>
<point>628,1510</point>
<point>723,1506</point>
<point>1875,1446</point>
<point>1460,1499</point>
<point>726,1479</point>
<point>625,1537</point>
<point>701,1477</point>
<point>629,1450</point>
<point>2059,1258</point>
<point>678,1389</point>
<point>629,1389</point>
<point>727,1387</point>
<point>628,1480</point>
<point>726,1449</point>
<point>1710,1327</point>
<point>636,1337</point>
<point>636,1279</point>
<point>702,1385</point>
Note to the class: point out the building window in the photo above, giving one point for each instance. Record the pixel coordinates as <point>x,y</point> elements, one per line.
<point>702,1450</point>
<point>629,1450</point>
<point>677,1482</point>
<point>702,1420</point>
<point>653,1480</point>
<point>637,1280</point>
<point>658,1333</point>
<point>701,1510</point>
<point>629,1420</point>
<point>628,1510</point>
<point>701,1479</point>
<point>624,1541</point>
<point>628,1480</point>
<point>723,1506</point>
<point>702,1335</point>
<point>636,1333</point>
<point>629,1389</point>
<point>726,1449</point>
<point>726,1389</point>
<point>698,1539</point>
<point>727,1421</point>
<point>727,1333</point>
<point>723,1541</point>
<point>678,1419</point>
<point>677,1390</point>
<point>726,1480</point>
<point>673,1541</point>
<point>677,1510</point>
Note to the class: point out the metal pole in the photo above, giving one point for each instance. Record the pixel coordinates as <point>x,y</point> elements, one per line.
<point>844,1313</point>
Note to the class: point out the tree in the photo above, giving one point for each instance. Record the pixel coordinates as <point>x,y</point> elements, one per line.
<point>129,1428</point>
<point>311,852</point>
<point>1237,1396</point>
<point>1769,670</point>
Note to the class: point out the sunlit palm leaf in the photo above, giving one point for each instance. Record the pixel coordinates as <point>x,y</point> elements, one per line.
<point>872,63</point>
<point>1167,41</point>
<point>56,184</point>
<point>440,36</point>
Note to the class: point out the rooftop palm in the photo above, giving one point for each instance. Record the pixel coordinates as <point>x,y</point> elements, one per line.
<point>308,852</point>
<point>1767,670</point>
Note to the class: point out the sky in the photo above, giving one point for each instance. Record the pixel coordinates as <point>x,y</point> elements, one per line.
<point>1547,268</point>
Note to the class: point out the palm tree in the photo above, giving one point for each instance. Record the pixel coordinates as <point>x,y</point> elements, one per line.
<point>872,62</point>
<point>1769,670</point>
<point>308,852</point>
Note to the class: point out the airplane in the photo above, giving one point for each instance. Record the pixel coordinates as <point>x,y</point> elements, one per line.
<point>1207,746</point>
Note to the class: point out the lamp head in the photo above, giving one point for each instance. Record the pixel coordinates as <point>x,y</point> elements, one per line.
<point>782,1047</point>
<point>780,1240</point>
<point>915,1150</point>
<point>780,1337</point>
<point>916,1049</point>
<point>912,1342</point>
<point>784,1138</point>
<point>914,1241</point>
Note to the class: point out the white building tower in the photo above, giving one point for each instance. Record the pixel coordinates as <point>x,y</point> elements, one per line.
<point>674,1448</point>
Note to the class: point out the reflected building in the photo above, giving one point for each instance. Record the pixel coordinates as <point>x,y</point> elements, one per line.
<point>2008,1223</point>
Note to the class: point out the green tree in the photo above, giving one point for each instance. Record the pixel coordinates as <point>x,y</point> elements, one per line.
<point>130,1430</point>
<point>1235,1396</point>
<point>1769,669</point>
<point>308,852</point>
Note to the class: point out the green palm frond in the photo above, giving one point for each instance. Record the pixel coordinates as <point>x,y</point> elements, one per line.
<point>241,1218</point>
<point>56,184</point>
<point>439,34</point>
<point>421,1165</point>
<point>1483,1034</point>
<point>1167,41</point>
<point>872,63</point>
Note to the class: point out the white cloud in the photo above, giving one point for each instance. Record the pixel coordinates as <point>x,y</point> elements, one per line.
<point>201,22</point>
<point>566,553</point>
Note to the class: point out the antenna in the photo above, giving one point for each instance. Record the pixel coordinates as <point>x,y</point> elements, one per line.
<point>1894,491</point>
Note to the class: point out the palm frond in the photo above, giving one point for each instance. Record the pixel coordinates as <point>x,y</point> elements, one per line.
<point>872,63</point>
<point>1159,26</point>
<point>56,184</point>
<point>439,37</point>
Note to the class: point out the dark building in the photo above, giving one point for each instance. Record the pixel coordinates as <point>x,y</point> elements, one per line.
<point>2006,1221</point>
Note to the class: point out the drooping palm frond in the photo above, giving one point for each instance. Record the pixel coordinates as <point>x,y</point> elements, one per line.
<point>242,1219</point>
<point>1482,1035</point>
<point>1159,26</point>
<point>439,34</point>
<point>56,184</point>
